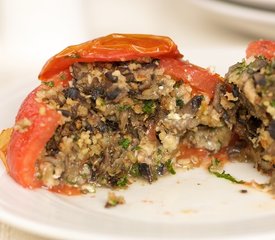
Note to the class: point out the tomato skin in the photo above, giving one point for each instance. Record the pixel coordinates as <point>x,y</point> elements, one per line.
<point>264,48</point>
<point>199,78</point>
<point>114,47</point>
<point>25,146</point>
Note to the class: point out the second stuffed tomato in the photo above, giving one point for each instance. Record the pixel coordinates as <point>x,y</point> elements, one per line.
<point>115,109</point>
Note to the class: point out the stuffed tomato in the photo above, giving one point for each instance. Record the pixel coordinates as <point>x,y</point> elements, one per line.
<point>253,82</point>
<point>115,109</point>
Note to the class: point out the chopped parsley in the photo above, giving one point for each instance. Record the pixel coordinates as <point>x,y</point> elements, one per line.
<point>240,67</point>
<point>178,83</point>
<point>215,162</point>
<point>213,170</point>
<point>122,108</point>
<point>124,143</point>
<point>135,170</point>
<point>136,148</point>
<point>272,103</point>
<point>122,182</point>
<point>148,107</point>
<point>49,84</point>
<point>169,167</point>
<point>227,176</point>
<point>179,103</point>
<point>62,76</point>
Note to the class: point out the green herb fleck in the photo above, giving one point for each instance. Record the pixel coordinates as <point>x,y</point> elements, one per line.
<point>214,164</point>
<point>134,171</point>
<point>122,182</point>
<point>169,166</point>
<point>136,148</point>
<point>122,108</point>
<point>178,84</point>
<point>272,103</point>
<point>148,106</point>
<point>179,103</point>
<point>240,67</point>
<point>125,142</point>
<point>62,76</point>
<point>227,176</point>
<point>49,84</point>
<point>159,151</point>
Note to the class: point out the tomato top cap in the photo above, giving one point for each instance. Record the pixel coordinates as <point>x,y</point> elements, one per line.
<point>113,47</point>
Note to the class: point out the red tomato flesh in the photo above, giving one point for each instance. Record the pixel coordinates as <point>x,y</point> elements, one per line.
<point>199,78</point>
<point>26,144</point>
<point>264,48</point>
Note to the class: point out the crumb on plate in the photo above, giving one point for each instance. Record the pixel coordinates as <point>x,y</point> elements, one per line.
<point>113,200</point>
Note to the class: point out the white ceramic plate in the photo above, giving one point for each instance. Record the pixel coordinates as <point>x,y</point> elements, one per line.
<point>189,205</point>
<point>257,22</point>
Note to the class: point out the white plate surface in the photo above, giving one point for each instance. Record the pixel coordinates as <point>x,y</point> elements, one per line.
<point>189,205</point>
<point>246,20</point>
